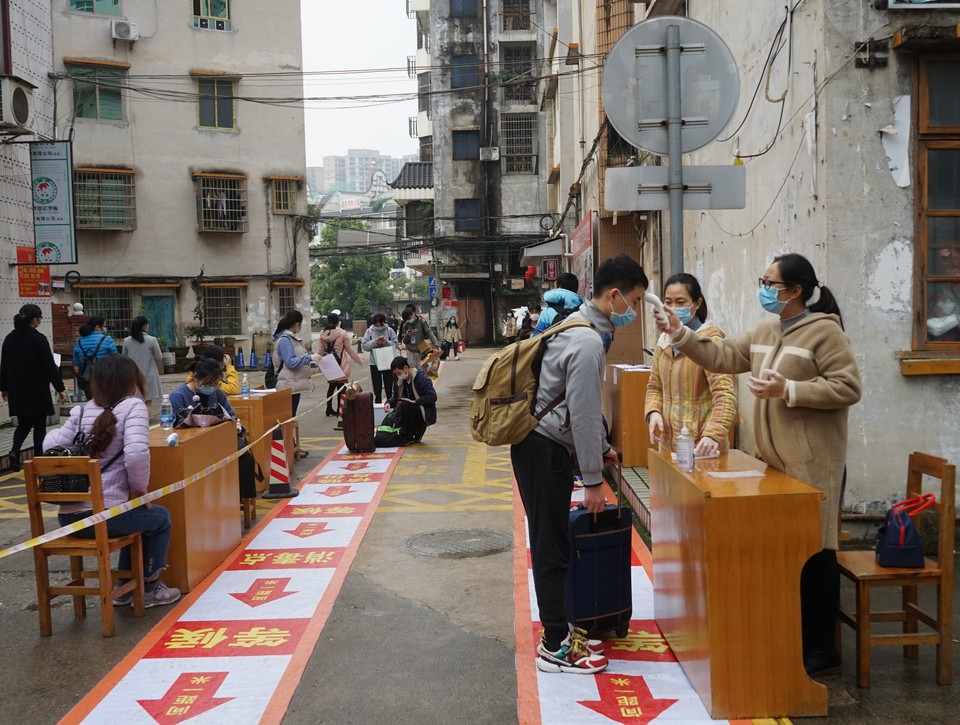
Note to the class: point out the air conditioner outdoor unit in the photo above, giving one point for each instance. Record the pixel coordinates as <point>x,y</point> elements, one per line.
<point>489,153</point>
<point>16,105</point>
<point>124,30</point>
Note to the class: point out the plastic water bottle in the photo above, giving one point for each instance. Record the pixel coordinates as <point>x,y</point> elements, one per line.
<point>685,455</point>
<point>166,414</point>
<point>245,386</point>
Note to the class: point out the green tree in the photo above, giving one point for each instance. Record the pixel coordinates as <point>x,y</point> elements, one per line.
<point>350,282</point>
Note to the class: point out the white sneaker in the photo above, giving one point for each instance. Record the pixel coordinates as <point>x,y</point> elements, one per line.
<point>160,595</point>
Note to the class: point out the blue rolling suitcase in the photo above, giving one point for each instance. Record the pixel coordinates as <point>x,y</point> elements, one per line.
<point>599,596</point>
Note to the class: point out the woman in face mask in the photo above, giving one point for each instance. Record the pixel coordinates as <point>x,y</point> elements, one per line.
<point>680,390</point>
<point>204,382</point>
<point>804,378</point>
<point>379,335</point>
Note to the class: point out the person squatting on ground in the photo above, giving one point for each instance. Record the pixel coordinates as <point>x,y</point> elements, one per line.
<point>415,399</point>
<point>573,362</point>
<point>144,350</point>
<point>116,427</point>
<point>336,341</point>
<point>451,339</point>
<point>379,334</point>
<point>27,370</point>
<point>561,301</point>
<point>92,345</point>
<point>680,390</point>
<point>804,377</point>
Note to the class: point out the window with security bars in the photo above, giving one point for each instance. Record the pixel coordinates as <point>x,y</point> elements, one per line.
<point>96,93</point>
<point>516,14</point>
<point>113,305</point>
<point>284,196</point>
<point>105,200</point>
<point>215,99</point>
<point>221,203</point>
<point>286,300</point>
<point>516,74</point>
<point>99,7</point>
<point>221,306</point>
<point>518,142</point>
<point>212,14</point>
<point>937,267</point>
<point>423,93</point>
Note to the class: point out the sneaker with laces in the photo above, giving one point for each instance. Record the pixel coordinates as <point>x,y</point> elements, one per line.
<point>595,646</point>
<point>160,595</point>
<point>571,657</point>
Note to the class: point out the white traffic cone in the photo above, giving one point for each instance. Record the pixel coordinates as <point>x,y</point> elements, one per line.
<point>279,475</point>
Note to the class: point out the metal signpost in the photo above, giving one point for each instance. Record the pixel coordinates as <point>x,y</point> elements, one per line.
<point>670,86</point>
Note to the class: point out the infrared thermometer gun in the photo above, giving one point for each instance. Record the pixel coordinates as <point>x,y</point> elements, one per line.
<point>655,301</point>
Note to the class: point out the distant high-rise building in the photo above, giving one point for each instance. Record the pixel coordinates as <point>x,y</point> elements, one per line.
<point>353,171</point>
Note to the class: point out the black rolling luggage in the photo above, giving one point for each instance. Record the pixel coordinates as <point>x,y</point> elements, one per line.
<point>358,425</point>
<point>599,596</point>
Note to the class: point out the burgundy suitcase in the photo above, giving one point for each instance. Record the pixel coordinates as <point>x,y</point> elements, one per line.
<point>358,427</point>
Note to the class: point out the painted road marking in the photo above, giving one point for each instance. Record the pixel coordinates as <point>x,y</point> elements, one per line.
<point>234,649</point>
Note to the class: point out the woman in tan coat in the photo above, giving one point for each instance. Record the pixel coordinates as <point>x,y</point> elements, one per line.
<point>804,378</point>
<point>335,341</point>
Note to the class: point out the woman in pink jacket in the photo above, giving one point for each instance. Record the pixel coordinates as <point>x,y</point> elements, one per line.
<point>115,430</point>
<point>335,341</point>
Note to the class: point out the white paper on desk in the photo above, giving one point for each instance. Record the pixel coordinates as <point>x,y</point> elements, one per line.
<point>262,391</point>
<point>736,474</point>
<point>56,359</point>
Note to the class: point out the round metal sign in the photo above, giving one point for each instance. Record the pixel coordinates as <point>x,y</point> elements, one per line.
<point>634,88</point>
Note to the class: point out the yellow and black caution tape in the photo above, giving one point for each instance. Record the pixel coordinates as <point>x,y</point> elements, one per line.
<point>133,503</point>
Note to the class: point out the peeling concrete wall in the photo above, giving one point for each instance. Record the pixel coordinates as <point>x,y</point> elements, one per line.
<point>832,187</point>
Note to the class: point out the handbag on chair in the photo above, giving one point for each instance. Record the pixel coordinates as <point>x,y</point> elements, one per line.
<point>898,543</point>
<point>71,482</point>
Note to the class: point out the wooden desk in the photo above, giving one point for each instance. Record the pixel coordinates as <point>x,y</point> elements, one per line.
<point>727,555</point>
<point>206,514</point>
<point>624,392</point>
<point>258,413</point>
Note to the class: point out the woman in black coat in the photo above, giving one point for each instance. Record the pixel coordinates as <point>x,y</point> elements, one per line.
<point>27,371</point>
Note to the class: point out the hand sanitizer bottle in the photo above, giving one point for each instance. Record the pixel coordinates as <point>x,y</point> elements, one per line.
<point>685,456</point>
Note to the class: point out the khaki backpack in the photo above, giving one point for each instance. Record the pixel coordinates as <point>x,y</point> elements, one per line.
<point>505,391</point>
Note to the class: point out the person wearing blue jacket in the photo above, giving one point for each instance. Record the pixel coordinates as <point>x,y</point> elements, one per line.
<point>560,302</point>
<point>93,344</point>
<point>204,383</point>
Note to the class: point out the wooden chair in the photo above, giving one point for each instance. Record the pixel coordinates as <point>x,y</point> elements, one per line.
<point>862,569</point>
<point>75,547</point>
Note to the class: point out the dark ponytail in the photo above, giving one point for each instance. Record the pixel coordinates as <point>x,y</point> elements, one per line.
<point>27,314</point>
<point>796,271</point>
<point>692,285</point>
<point>115,377</point>
<point>136,327</point>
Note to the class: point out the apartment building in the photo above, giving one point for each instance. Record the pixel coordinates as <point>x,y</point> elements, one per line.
<point>354,170</point>
<point>189,162</point>
<point>481,128</point>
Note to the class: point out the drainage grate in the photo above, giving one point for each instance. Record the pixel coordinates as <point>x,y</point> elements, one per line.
<point>460,543</point>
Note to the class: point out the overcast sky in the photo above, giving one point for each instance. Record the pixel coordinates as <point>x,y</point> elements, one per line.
<point>346,41</point>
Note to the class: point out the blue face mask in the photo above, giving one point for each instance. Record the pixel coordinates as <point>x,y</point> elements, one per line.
<point>206,389</point>
<point>683,314</point>
<point>769,301</point>
<point>622,319</point>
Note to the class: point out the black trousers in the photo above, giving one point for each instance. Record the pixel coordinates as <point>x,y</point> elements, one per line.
<point>382,384</point>
<point>545,479</point>
<point>819,601</point>
<point>333,405</point>
<point>24,424</point>
<point>412,425</point>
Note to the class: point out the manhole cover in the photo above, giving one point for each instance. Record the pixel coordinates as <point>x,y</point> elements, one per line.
<point>460,543</point>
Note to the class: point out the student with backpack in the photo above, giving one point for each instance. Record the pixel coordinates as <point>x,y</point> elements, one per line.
<point>560,302</point>
<point>414,399</point>
<point>568,403</point>
<point>336,341</point>
<point>92,345</point>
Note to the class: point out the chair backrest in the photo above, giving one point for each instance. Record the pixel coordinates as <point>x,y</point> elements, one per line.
<point>923,464</point>
<point>62,465</point>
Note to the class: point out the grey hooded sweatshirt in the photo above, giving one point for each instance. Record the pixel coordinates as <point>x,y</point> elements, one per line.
<point>573,361</point>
